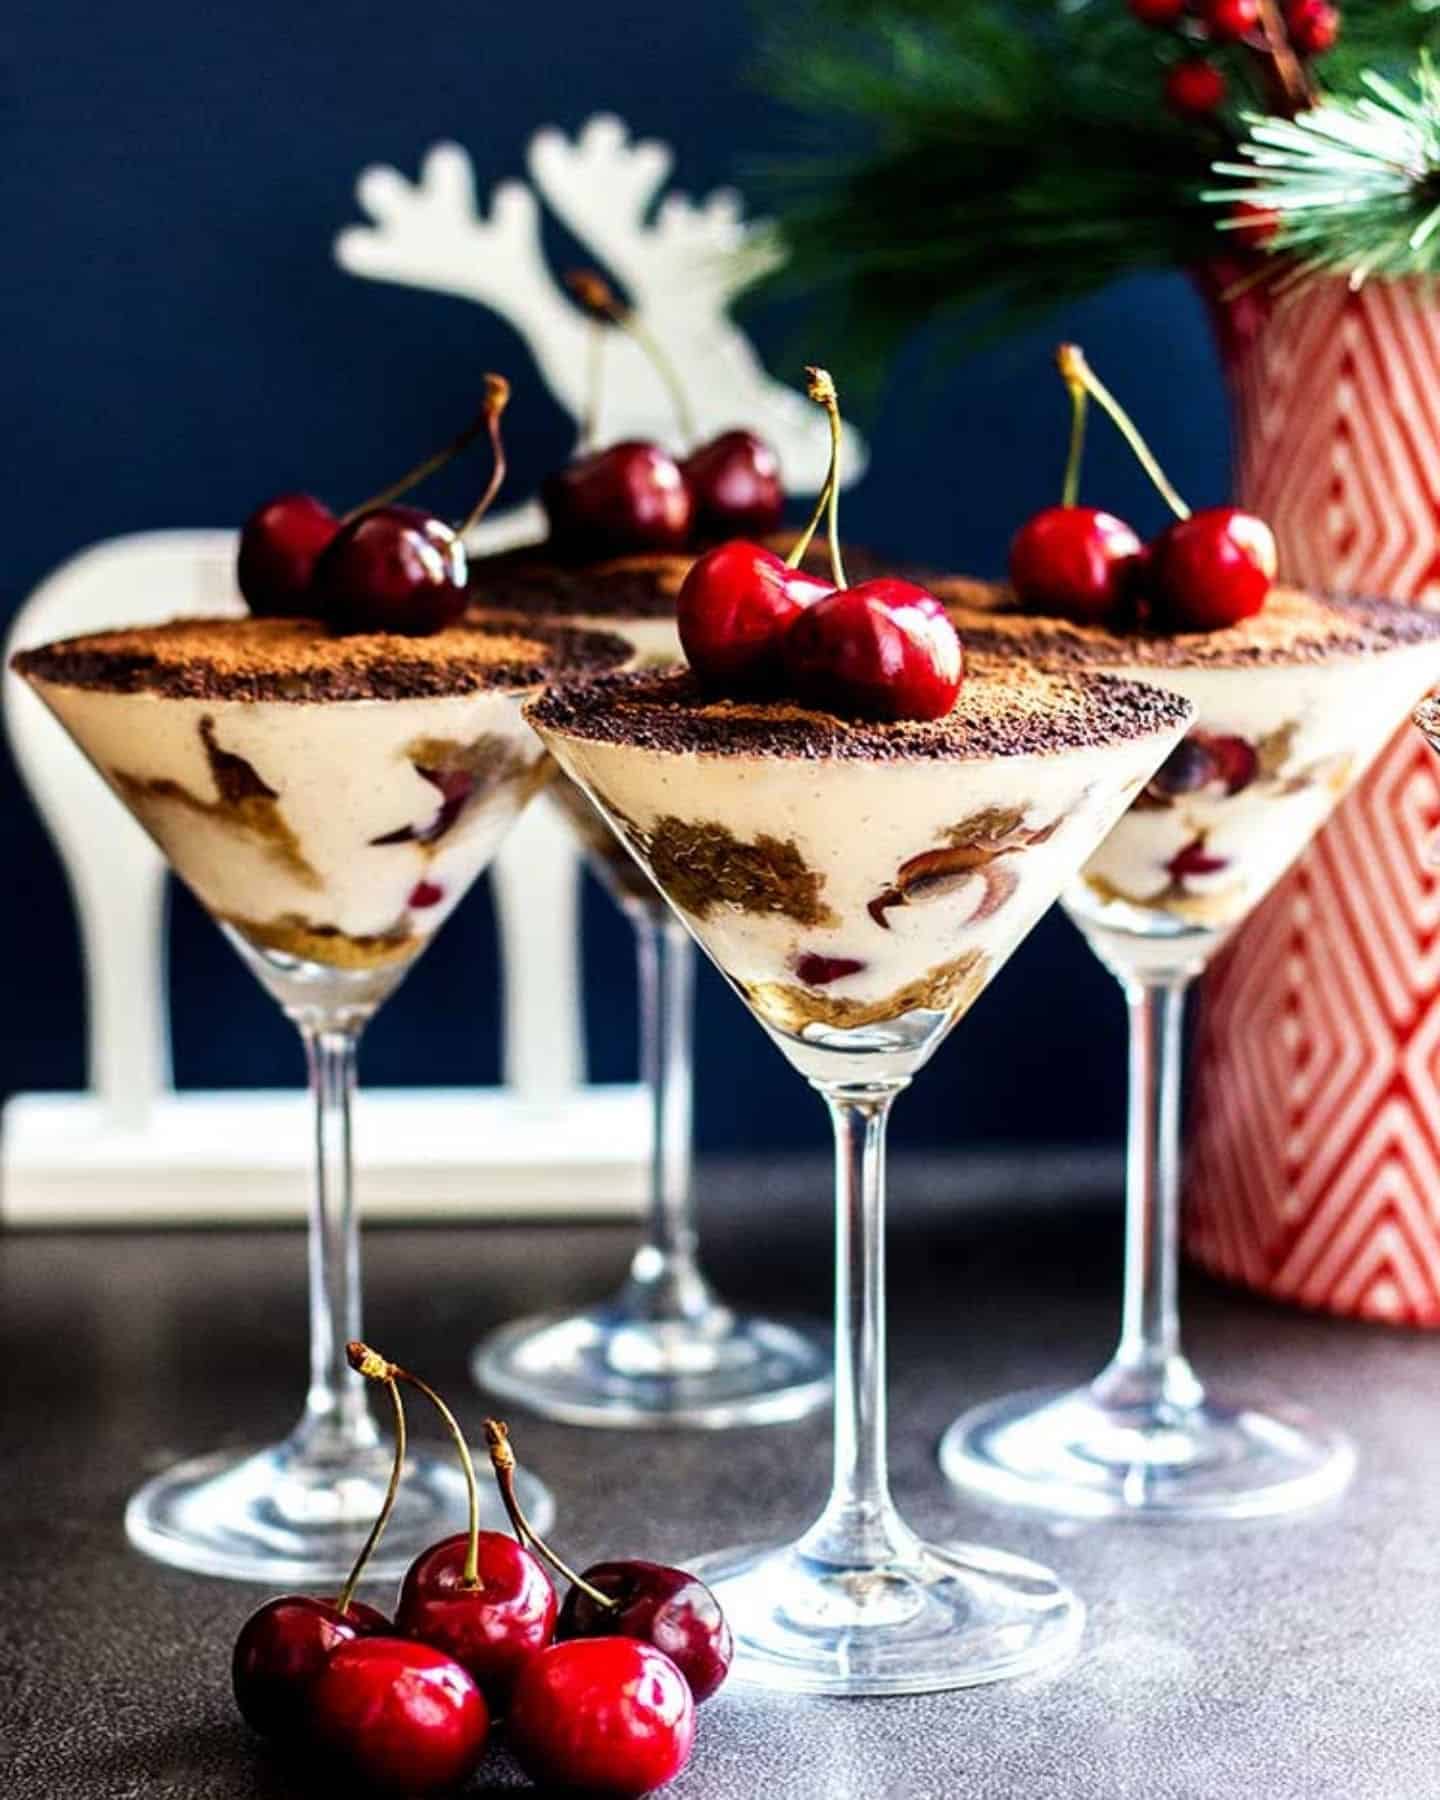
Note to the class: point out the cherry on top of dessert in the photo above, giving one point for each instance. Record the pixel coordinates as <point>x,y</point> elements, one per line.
<point>1207,570</point>
<point>635,496</point>
<point>382,567</point>
<point>752,624</point>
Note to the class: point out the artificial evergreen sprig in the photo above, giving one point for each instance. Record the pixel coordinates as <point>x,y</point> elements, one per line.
<point>1353,185</point>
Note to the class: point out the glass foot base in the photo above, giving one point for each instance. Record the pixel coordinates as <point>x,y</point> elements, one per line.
<point>608,1367</point>
<point>284,1518</point>
<point>935,1617</point>
<point>1073,1453</point>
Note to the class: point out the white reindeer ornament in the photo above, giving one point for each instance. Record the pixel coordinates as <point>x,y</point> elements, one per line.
<point>682,265</point>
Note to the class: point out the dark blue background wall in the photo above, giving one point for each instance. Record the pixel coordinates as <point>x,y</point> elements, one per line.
<point>176,343</point>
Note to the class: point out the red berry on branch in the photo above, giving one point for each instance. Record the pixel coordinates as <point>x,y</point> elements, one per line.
<point>1314,26</point>
<point>1194,89</point>
<point>1231,20</point>
<point>1252,224</point>
<point>1158,14</point>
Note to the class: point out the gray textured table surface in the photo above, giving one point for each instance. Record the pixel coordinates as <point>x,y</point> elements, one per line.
<point>1297,1659</point>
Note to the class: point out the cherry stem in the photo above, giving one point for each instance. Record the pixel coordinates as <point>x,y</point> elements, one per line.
<point>431,464</point>
<point>497,398</point>
<point>1076,372</point>
<point>821,389</point>
<point>374,1367</point>
<point>502,1460</point>
<point>600,300</point>
<point>1079,405</point>
<point>387,1505</point>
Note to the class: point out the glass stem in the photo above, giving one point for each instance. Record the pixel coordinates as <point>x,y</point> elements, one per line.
<point>1148,1367</point>
<point>665,1280</point>
<point>859,1527</point>
<point>337,1418</point>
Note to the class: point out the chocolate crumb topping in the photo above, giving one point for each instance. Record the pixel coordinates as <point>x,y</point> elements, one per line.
<point>1292,627</point>
<point>1007,707</point>
<point>533,583</point>
<point>299,660</point>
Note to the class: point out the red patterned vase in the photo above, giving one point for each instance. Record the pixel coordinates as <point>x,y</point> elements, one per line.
<point>1313,1162</point>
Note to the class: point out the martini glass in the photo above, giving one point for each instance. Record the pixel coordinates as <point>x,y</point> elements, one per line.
<point>329,838</point>
<point>1281,736</point>
<point>665,1350</point>
<point>858,887</point>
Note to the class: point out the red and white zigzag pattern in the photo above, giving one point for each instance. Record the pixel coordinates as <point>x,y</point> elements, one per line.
<point>1313,1165</point>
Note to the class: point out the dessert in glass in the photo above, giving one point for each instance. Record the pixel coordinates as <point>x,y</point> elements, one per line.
<point>858,838</point>
<point>329,794</point>
<point>1294,695</point>
<point>666,1350</point>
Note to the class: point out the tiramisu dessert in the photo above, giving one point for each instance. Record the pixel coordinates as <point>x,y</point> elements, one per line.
<point>1293,695</point>
<point>328,776</point>
<point>859,822</point>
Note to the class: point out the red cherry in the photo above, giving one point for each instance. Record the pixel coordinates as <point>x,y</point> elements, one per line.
<point>279,545</point>
<point>282,1647</point>
<point>404,1718</point>
<point>630,497</point>
<point>394,569</point>
<point>1194,88</point>
<point>1231,20</point>
<point>736,486</point>
<point>881,650</point>
<point>493,1629</point>
<point>819,971</point>
<point>1074,561</point>
<point>424,894</point>
<point>666,1607</point>
<point>605,1715</point>
<point>1210,570</point>
<point>1158,13</point>
<point>1236,763</point>
<point>1314,26</point>
<point>733,611</point>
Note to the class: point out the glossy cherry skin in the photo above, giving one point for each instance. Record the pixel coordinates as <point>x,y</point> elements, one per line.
<point>666,1607</point>
<point>630,497</point>
<point>1194,89</point>
<point>1075,561</point>
<point>605,1715</point>
<point>394,569</point>
<point>881,650</point>
<point>279,545</point>
<point>492,1630</point>
<point>734,610</point>
<point>281,1648</point>
<point>1210,570</point>
<point>402,1717</point>
<point>735,482</point>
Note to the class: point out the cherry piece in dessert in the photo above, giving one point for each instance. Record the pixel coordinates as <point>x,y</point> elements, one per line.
<point>734,609</point>
<point>659,1605</point>
<point>1074,561</point>
<point>1195,859</point>
<point>424,894</point>
<point>735,483</point>
<point>819,971</point>
<point>882,650</point>
<point>279,545</point>
<point>1194,89</point>
<point>492,1622</point>
<point>629,497</point>
<point>603,1715</point>
<point>394,569</point>
<point>402,1717</point>
<point>1210,570</point>
<point>282,1647</point>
